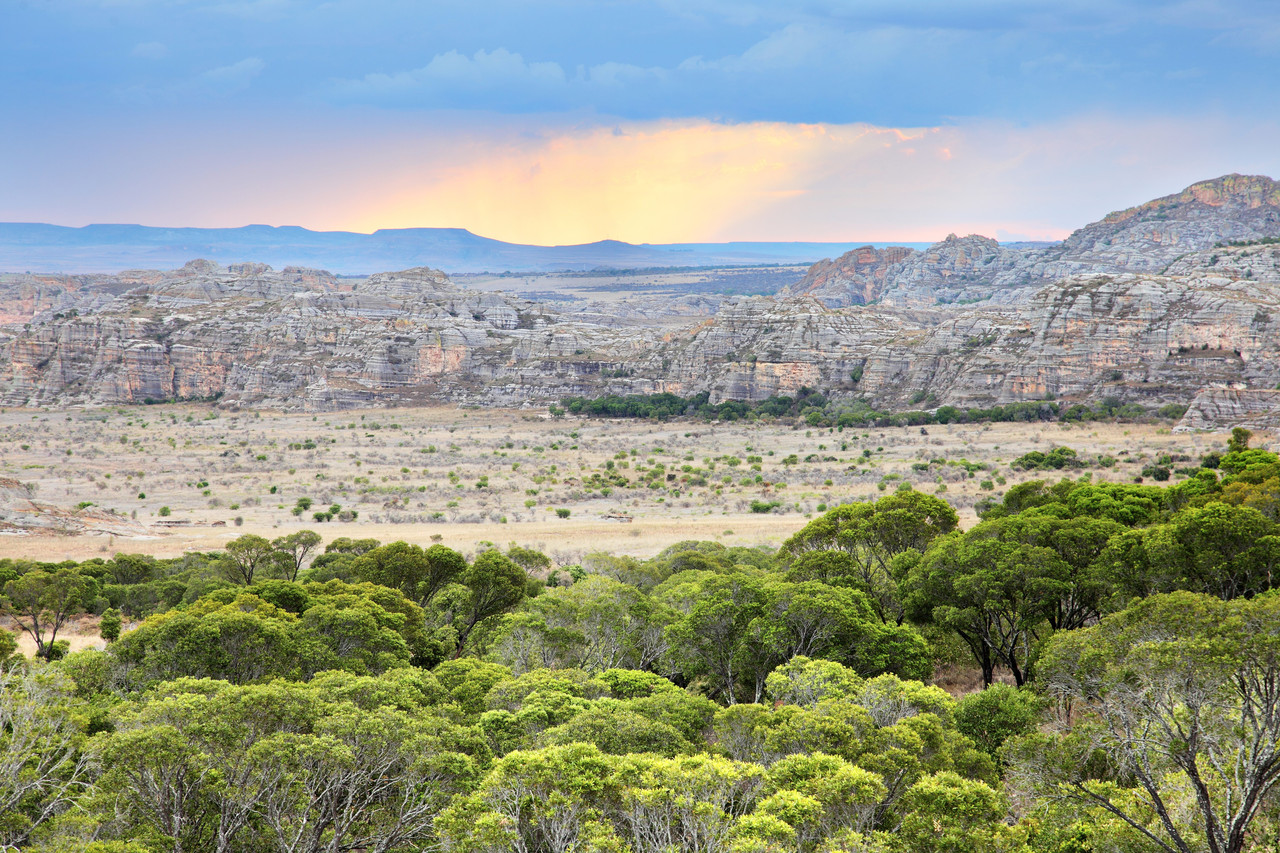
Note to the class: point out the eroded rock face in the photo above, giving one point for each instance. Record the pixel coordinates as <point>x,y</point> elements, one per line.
<point>1145,239</point>
<point>959,269</point>
<point>855,278</point>
<point>248,335</point>
<point>20,512</point>
<point>1151,236</point>
<point>256,337</point>
<point>1225,408</point>
<point>1152,339</point>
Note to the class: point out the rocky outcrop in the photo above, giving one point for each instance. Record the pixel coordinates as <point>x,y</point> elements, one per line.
<point>249,335</point>
<point>855,278</point>
<point>1150,238</point>
<point>959,269</point>
<point>1259,262</point>
<point>1150,339</point>
<point>21,513</point>
<point>966,323</point>
<point>257,337</point>
<point>1225,408</point>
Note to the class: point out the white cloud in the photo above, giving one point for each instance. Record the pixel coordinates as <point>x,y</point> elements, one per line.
<point>447,73</point>
<point>220,82</point>
<point>228,79</point>
<point>150,50</point>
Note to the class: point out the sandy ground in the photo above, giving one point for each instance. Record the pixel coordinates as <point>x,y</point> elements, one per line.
<point>462,477</point>
<point>81,632</point>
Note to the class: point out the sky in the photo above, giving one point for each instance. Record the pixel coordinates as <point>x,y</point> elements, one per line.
<point>568,121</point>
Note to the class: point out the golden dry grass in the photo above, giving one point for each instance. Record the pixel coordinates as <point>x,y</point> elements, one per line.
<point>382,464</point>
<point>81,633</point>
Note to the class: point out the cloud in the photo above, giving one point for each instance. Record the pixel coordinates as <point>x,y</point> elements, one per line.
<point>228,79</point>
<point>150,50</point>
<point>687,180</point>
<point>220,82</point>
<point>691,180</point>
<point>497,79</point>
<point>889,62</point>
<point>451,77</point>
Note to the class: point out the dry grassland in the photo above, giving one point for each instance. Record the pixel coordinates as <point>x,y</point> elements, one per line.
<point>416,474</point>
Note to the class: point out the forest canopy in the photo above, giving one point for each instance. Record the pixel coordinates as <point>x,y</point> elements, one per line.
<point>710,698</point>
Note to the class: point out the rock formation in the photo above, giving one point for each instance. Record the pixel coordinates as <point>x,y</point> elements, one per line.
<point>965,323</point>
<point>1147,239</point>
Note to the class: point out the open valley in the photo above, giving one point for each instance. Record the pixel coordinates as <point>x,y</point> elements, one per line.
<point>467,476</point>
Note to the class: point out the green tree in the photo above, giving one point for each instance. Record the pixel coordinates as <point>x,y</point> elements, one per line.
<point>207,765</point>
<point>1179,693</point>
<point>1239,441</point>
<point>110,625</point>
<point>546,799</point>
<point>43,767</point>
<point>246,557</point>
<point>945,813</point>
<point>1227,551</point>
<point>847,795</point>
<point>419,574</point>
<point>715,641</point>
<point>985,590</point>
<point>493,585</point>
<point>297,547</point>
<point>242,641</point>
<point>994,715</point>
<point>872,534</point>
<point>361,779</point>
<point>133,568</point>
<point>41,602</point>
<point>596,624</point>
<point>354,547</point>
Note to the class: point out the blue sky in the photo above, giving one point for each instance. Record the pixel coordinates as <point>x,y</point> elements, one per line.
<point>565,121</point>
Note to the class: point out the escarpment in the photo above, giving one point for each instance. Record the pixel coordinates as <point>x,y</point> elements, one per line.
<point>1111,312</point>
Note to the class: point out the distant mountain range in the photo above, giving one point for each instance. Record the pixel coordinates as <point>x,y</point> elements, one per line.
<point>35,247</point>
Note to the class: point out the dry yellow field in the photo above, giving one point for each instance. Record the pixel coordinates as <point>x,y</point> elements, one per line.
<point>416,474</point>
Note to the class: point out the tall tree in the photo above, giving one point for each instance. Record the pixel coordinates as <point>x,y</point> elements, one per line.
<point>419,574</point>
<point>297,547</point>
<point>494,584</point>
<point>1181,693</point>
<point>41,602</point>
<point>245,557</point>
<point>872,534</point>
<point>714,640</point>
<point>992,592</point>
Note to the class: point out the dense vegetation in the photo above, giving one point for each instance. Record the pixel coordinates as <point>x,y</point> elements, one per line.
<point>389,697</point>
<point>817,411</point>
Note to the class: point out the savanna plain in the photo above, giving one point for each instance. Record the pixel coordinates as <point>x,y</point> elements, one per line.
<point>194,476</point>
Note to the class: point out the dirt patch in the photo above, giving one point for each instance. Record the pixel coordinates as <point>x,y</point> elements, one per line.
<point>81,632</point>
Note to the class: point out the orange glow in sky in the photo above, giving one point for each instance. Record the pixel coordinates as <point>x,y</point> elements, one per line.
<point>660,182</point>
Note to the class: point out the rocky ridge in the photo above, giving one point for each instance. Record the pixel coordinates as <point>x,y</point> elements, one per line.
<point>1144,239</point>
<point>248,335</point>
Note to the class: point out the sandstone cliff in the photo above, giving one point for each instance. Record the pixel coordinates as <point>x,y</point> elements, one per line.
<point>248,335</point>
<point>1148,238</point>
